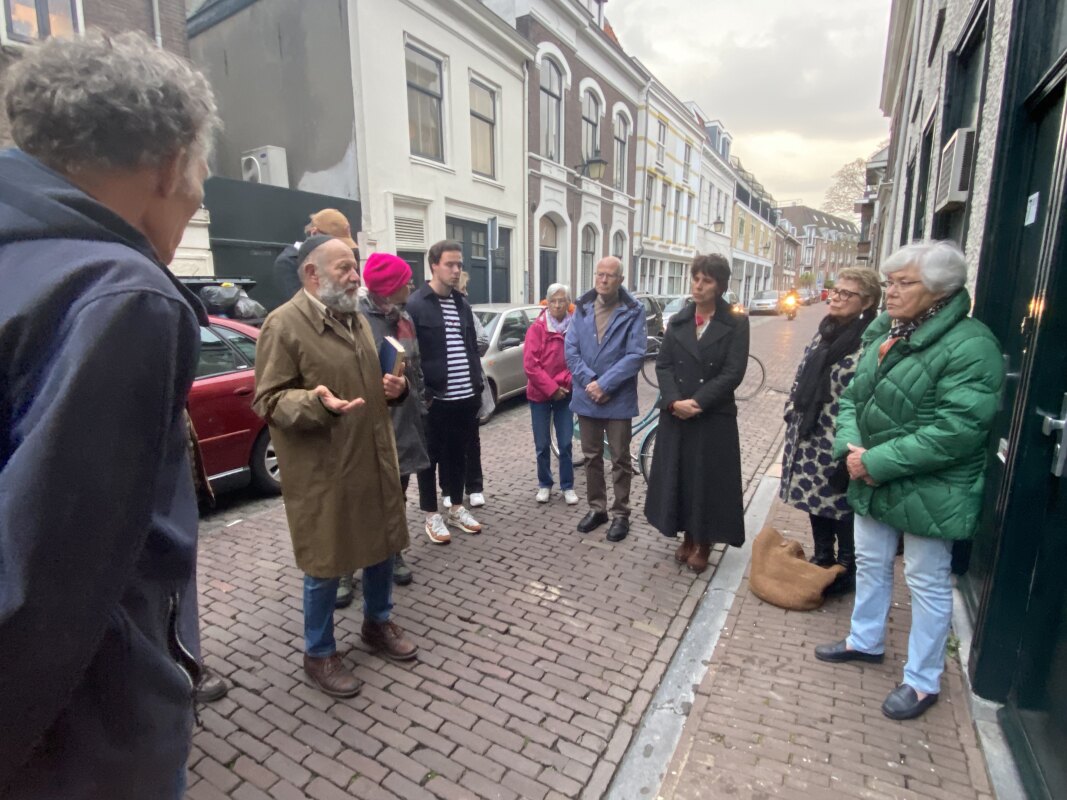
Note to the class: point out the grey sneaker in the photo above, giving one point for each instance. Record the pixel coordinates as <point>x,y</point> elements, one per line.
<point>401,571</point>
<point>459,517</point>
<point>436,530</point>
<point>344,592</point>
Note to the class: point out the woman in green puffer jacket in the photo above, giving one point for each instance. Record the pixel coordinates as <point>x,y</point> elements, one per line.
<point>913,428</point>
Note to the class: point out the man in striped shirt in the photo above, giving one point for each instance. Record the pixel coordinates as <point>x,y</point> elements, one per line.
<point>452,376</point>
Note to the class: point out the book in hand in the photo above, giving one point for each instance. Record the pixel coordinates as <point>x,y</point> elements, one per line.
<point>392,356</point>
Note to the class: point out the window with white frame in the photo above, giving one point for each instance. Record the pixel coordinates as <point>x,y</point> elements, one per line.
<point>688,216</point>
<point>664,200</point>
<point>621,136</point>
<point>650,195</point>
<point>551,110</point>
<point>590,126</point>
<point>661,143</point>
<point>686,162</point>
<point>740,230</point>
<point>588,255</point>
<point>618,245</point>
<point>31,20</point>
<point>425,96</point>
<point>676,278</point>
<point>483,130</point>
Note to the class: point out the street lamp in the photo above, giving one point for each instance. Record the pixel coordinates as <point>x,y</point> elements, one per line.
<point>592,168</point>
<point>718,225</point>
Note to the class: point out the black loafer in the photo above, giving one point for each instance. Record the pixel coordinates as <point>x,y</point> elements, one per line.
<point>620,526</point>
<point>838,652</point>
<point>592,520</point>
<point>904,703</point>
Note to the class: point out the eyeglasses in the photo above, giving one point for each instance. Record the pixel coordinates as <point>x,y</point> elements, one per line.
<point>900,286</point>
<point>844,294</point>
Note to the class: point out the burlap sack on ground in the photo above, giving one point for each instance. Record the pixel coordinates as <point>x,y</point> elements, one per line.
<point>783,577</point>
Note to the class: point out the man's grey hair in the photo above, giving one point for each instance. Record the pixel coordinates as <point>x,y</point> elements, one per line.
<point>556,288</point>
<point>942,265</point>
<point>616,262</point>
<point>99,102</point>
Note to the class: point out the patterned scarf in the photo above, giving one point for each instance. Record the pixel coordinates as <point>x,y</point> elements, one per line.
<point>903,329</point>
<point>558,327</point>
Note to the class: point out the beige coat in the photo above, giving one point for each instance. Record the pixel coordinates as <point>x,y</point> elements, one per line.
<point>340,478</point>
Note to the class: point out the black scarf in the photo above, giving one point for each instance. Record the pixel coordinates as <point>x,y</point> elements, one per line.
<point>813,384</point>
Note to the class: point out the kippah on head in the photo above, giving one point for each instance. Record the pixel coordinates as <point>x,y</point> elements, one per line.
<point>312,244</point>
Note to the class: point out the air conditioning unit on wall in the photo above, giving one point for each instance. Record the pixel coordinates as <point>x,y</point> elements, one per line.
<point>954,177</point>
<point>267,165</point>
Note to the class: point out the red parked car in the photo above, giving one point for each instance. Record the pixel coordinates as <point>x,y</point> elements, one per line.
<point>234,440</point>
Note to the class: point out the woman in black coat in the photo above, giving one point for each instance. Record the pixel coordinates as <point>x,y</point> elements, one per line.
<point>695,481</point>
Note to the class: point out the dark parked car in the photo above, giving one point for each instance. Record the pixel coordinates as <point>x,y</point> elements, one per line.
<point>234,440</point>
<point>653,312</point>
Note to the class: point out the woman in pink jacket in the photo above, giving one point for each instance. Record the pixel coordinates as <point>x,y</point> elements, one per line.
<point>549,391</point>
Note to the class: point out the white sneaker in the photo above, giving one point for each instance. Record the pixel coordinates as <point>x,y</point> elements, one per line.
<point>437,531</point>
<point>477,500</point>
<point>459,517</point>
<point>570,496</point>
<point>543,494</point>
<point>446,501</point>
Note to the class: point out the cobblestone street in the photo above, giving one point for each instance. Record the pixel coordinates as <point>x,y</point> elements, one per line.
<point>540,648</point>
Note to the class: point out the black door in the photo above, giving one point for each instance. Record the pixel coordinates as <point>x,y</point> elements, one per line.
<point>474,238</point>
<point>548,270</point>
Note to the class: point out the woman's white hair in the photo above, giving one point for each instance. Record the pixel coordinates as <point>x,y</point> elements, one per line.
<point>942,265</point>
<point>556,288</point>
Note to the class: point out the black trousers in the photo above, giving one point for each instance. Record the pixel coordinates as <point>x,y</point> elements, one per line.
<point>450,425</point>
<point>472,475</point>
<point>827,532</point>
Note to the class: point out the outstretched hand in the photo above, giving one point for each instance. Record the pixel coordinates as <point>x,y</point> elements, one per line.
<point>334,403</point>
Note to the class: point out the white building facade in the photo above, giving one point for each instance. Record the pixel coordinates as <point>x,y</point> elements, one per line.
<point>670,146</point>
<point>715,196</point>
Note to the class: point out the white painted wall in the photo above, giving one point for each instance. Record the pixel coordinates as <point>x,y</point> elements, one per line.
<point>472,41</point>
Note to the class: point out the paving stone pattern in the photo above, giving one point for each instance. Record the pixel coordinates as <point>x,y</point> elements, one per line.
<point>772,721</point>
<point>540,648</point>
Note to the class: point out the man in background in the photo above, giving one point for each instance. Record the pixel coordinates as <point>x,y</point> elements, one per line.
<point>329,222</point>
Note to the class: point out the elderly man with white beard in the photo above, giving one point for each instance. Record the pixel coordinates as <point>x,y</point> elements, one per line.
<point>320,387</point>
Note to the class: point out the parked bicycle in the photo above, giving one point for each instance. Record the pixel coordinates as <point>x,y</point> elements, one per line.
<point>642,455</point>
<point>753,383</point>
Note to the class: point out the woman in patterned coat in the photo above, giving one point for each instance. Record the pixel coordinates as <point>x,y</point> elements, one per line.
<point>812,480</point>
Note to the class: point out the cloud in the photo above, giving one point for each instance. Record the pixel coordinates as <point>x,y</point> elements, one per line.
<point>797,84</point>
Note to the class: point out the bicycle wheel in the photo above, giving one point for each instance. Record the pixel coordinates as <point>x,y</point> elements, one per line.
<point>648,372</point>
<point>554,445</point>
<point>644,458</point>
<point>652,344</point>
<point>755,378</point>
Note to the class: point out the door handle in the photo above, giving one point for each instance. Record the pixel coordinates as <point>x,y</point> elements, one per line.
<point>1053,426</point>
<point>242,391</point>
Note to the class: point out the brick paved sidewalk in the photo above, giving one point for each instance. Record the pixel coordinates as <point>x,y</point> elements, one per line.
<point>772,721</point>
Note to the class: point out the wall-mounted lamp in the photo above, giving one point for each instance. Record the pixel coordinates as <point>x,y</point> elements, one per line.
<point>592,168</point>
<point>718,225</point>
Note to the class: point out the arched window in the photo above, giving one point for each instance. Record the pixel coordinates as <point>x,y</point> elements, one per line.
<point>590,126</point>
<point>551,109</point>
<point>588,255</point>
<point>618,246</point>
<point>622,135</point>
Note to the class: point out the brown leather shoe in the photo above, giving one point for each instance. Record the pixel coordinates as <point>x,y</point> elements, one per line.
<point>388,639</point>
<point>685,549</point>
<point>332,676</point>
<point>698,559</point>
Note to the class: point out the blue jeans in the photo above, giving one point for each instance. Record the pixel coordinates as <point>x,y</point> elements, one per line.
<point>928,571</point>
<point>543,415</point>
<point>319,596</point>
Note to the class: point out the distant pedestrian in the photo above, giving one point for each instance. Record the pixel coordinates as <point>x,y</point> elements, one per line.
<point>328,221</point>
<point>914,428</point>
<point>452,375</point>
<point>473,479</point>
<point>319,385</point>
<point>99,645</point>
<point>548,389</point>
<point>387,277</point>
<point>695,483</point>
<point>812,479</point>
<point>605,347</point>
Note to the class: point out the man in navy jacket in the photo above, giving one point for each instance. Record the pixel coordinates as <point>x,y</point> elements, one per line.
<point>98,349</point>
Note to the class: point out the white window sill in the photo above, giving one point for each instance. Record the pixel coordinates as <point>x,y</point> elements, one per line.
<point>488,181</point>
<point>429,162</point>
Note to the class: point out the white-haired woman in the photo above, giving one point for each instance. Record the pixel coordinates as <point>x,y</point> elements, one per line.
<point>913,426</point>
<point>548,389</point>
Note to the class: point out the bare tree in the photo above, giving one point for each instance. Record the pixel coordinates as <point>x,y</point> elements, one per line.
<point>847,187</point>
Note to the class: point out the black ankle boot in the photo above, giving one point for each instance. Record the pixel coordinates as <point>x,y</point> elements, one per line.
<point>824,542</point>
<point>846,557</point>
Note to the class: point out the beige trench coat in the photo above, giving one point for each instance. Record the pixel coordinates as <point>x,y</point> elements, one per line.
<point>340,478</point>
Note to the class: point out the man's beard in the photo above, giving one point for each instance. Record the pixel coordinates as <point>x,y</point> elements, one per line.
<point>335,297</point>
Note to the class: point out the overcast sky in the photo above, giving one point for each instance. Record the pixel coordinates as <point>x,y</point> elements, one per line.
<point>796,82</point>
